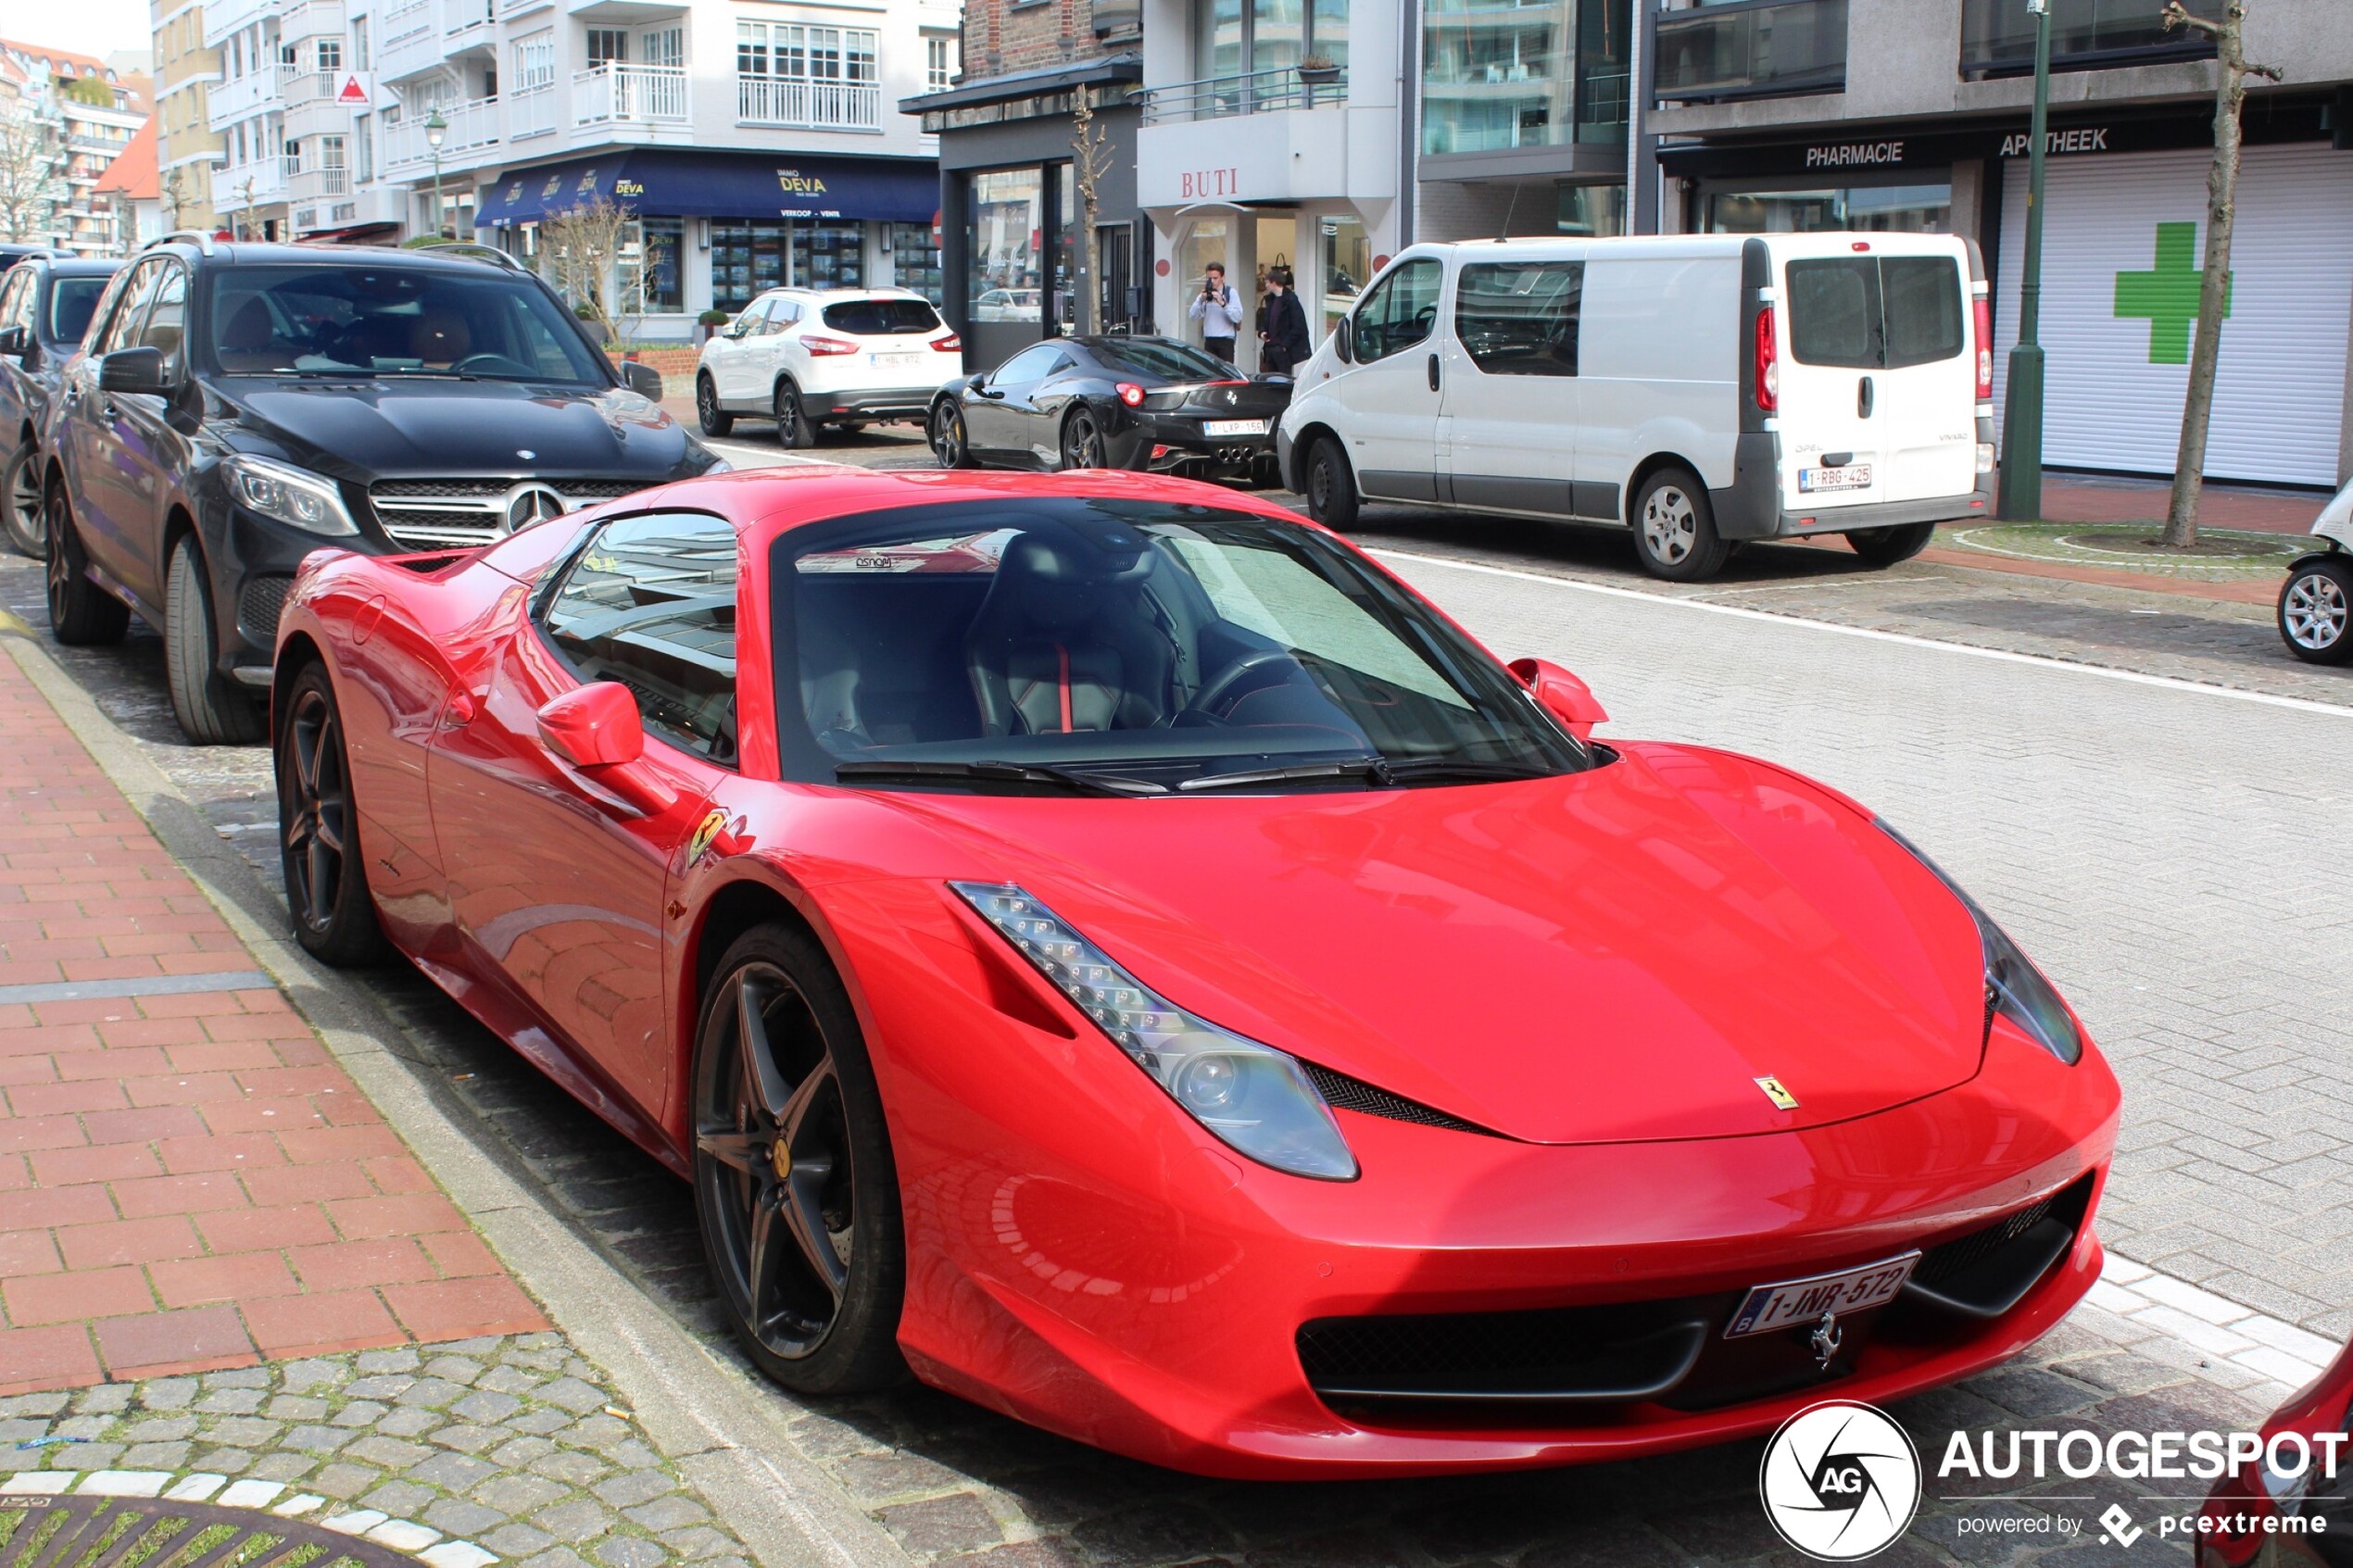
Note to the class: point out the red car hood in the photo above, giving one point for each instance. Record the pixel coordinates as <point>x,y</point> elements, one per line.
<point>1617,954</point>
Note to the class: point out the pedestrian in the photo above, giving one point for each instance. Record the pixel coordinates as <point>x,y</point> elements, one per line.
<point>1219,312</point>
<point>1285,335</point>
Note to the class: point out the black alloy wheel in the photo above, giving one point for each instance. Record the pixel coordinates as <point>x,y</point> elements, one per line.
<point>715,419</point>
<point>950,444</point>
<point>793,429</point>
<point>80,613</point>
<point>1082,443</point>
<point>334,918</point>
<point>794,1183</point>
<point>20,491</point>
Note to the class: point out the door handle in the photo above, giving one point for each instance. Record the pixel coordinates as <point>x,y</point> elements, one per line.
<point>1433,372</point>
<point>1863,399</point>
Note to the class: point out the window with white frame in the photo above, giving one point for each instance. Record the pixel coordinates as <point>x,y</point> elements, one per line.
<point>608,46</point>
<point>330,151</point>
<point>331,53</point>
<point>941,61</point>
<point>796,52</point>
<point>363,147</point>
<point>360,59</point>
<point>535,61</point>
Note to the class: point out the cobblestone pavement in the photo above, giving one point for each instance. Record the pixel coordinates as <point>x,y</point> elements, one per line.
<point>2032,819</point>
<point>467,1452</point>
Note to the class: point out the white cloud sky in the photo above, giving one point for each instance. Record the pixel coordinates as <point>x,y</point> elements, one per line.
<point>86,27</point>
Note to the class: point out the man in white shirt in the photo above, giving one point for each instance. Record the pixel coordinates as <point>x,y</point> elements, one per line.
<point>1219,313</point>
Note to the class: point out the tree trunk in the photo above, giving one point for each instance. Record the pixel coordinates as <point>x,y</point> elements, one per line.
<point>2214,289</point>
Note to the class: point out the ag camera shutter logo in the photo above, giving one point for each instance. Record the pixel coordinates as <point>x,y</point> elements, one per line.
<point>1841,1481</point>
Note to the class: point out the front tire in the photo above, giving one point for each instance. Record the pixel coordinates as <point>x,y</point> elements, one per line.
<point>795,1186</point>
<point>713,420</point>
<point>950,443</point>
<point>212,709</point>
<point>793,429</point>
<point>1329,485</point>
<point>81,614</point>
<point>1885,546</point>
<point>1675,529</point>
<point>2316,611</point>
<point>334,916</point>
<point>20,495</point>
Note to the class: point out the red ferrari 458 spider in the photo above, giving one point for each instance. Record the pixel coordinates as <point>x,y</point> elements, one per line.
<point>1106,945</point>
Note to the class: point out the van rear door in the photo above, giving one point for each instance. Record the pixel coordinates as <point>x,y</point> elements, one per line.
<point>1878,389</point>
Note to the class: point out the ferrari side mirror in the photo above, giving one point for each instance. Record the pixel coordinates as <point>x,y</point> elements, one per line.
<point>597,728</point>
<point>1564,696</point>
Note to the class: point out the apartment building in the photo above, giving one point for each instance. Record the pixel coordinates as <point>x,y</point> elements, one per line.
<point>187,148</point>
<point>1913,115</point>
<point>89,112</point>
<point>133,189</point>
<point>246,108</point>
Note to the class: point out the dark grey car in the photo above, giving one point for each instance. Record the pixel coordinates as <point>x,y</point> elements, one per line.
<point>46,300</point>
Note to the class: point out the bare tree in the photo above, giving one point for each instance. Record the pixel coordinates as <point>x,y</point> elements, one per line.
<point>582,247</point>
<point>32,173</point>
<point>1090,160</point>
<point>2214,292</point>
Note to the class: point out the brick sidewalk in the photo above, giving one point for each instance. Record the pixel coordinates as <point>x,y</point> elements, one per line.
<point>187,1181</point>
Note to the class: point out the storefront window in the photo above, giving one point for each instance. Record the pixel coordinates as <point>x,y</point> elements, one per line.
<point>1065,250</point>
<point>828,256</point>
<point>914,256</point>
<point>746,259</point>
<point>1594,211</point>
<point>650,266</point>
<point>1910,209</point>
<point>1503,75</point>
<point>1005,279</point>
<point>1347,264</point>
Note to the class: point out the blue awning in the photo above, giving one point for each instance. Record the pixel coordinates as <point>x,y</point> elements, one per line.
<point>661,182</point>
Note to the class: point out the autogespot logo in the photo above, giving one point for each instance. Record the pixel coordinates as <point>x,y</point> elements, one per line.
<point>1841,1481</point>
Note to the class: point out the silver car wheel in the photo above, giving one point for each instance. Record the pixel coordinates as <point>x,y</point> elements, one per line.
<point>2315,611</point>
<point>1671,527</point>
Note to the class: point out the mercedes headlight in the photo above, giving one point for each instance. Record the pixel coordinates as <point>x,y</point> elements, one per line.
<point>2014,987</point>
<point>287,494</point>
<point>1253,1096</point>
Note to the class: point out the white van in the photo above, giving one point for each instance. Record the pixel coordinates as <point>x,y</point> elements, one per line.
<point>1701,389</point>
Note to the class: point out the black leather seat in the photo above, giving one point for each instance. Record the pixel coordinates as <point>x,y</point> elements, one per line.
<point>1062,645</point>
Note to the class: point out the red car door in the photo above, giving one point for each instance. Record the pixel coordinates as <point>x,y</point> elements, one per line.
<point>557,879</point>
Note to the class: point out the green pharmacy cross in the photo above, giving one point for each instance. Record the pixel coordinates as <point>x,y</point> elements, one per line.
<point>2167,296</point>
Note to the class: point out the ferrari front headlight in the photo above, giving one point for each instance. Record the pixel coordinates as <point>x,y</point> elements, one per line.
<point>2014,987</point>
<point>289,495</point>
<point>1253,1098</point>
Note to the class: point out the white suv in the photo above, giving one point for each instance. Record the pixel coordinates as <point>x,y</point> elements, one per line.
<point>806,357</point>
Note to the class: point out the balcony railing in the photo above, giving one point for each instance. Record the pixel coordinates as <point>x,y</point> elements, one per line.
<point>1257,91</point>
<point>1997,36</point>
<point>530,111</point>
<point>817,105</point>
<point>411,39</point>
<point>222,19</point>
<point>469,127</point>
<point>234,97</point>
<point>307,18</point>
<point>466,18</point>
<point>1755,49</point>
<point>307,183</point>
<point>267,178</point>
<point>308,86</point>
<point>619,95</point>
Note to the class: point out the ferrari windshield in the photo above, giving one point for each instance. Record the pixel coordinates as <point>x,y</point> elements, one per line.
<point>1125,646</point>
<point>354,317</point>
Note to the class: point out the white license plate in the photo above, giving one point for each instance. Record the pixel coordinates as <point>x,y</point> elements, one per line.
<point>1853,476</point>
<point>1795,1303</point>
<point>895,361</point>
<point>1233,427</point>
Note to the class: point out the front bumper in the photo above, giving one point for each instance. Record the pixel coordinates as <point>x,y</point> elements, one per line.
<point>251,560</point>
<point>1083,1257</point>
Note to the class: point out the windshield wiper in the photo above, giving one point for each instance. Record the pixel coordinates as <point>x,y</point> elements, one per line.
<point>996,773</point>
<point>1378,771</point>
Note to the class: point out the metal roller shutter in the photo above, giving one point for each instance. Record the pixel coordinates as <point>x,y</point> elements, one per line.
<point>2113,240</point>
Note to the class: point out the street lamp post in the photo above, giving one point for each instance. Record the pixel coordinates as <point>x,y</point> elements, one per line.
<point>2022,495</point>
<point>435,128</point>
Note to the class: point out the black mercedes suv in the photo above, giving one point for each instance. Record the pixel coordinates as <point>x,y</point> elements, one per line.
<point>238,405</point>
<point>46,303</point>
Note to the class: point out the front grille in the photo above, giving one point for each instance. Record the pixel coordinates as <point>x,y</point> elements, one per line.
<point>1409,1370</point>
<point>425,514</point>
<point>1344,1093</point>
<point>260,603</point>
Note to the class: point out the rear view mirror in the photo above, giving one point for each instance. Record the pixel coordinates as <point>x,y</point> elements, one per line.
<point>15,341</point>
<point>641,378</point>
<point>596,726</point>
<point>977,380</point>
<point>1564,696</point>
<point>133,370</point>
<point>1345,336</point>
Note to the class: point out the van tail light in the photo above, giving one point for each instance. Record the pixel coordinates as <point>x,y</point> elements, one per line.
<point>1769,368</point>
<point>952,344</point>
<point>1984,350</point>
<point>1130,393</point>
<point>823,345</point>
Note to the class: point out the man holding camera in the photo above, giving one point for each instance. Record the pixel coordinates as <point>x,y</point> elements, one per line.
<point>1219,313</point>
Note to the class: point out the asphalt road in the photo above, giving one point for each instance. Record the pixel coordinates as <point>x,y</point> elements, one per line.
<point>2170,853</point>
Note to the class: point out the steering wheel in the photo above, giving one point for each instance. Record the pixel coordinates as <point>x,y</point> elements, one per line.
<point>490,361</point>
<point>1220,686</point>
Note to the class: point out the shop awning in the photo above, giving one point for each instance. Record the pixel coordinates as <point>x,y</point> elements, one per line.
<point>666,182</point>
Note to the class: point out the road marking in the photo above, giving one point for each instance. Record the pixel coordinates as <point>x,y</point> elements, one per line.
<point>2003,656</point>
<point>144,985</point>
<point>770,456</point>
